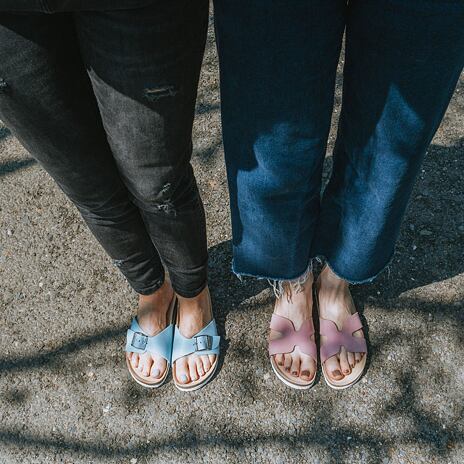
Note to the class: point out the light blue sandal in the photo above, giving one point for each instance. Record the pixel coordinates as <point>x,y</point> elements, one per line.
<point>160,344</point>
<point>205,342</point>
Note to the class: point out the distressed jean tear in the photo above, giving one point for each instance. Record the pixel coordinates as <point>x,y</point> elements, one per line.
<point>156,93</point>
<point>167,208</point>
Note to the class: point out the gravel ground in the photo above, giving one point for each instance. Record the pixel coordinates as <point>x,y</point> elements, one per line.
<point>65,395</point>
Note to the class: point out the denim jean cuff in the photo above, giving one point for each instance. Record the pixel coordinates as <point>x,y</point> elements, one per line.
<point>149,289</point>
<point>189,293</point>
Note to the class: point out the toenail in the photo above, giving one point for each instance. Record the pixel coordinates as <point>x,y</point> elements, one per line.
<point>336,373</point>
<point>305,374</point>
<point>280,363</point>
<point>347,371</point>
<point>183,378</point>
<point>287,369</point>
<point>295,373</point>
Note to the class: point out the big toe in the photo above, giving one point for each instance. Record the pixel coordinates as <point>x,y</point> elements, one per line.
<point>307,368</point>
<point>158,368</point>
<point>182,370</point>
<point>333,368</point>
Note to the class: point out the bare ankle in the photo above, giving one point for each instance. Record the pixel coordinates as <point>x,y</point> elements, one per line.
<point>165,292</point>
<point>330,281</point>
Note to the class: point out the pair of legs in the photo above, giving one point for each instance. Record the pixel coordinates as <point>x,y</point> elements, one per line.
<point>105,102</point>
<point>278,68</point>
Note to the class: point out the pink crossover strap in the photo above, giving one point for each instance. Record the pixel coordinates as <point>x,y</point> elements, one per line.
<point>291,337</point>
<point>338,338</point>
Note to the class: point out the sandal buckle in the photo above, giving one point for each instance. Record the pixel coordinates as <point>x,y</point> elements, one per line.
<point>203,342</point>
<point>139,341</point>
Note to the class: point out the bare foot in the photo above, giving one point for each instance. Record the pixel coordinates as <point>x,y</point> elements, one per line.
<point>194,314</point>
<point>336,304</point>
<point>298,307</point>
<point>152,319</point>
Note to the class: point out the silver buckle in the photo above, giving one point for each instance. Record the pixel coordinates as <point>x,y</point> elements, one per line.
<point>139,341</point>
<point>203,342</point>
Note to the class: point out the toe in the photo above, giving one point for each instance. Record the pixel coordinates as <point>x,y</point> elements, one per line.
<point>346,369</point>
<point>287,362</point>
<point>159,367</point>
<point>279,359</point>
<point>351,360</point>
<point>295,367</point>
<point>307,368</point>
<point>212,358</point>
<point>332,366</point>
<point>206,363</point>
<point>134,360</point>
<point>155,372</point>
<point>147,363</point>
<point>357,357</point>
<point>200,368</point>
<point>192,363</point>
<point>182,370</point>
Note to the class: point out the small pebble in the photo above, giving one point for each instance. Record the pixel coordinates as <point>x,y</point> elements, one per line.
<point>9,232</point>
<point>133,461</point>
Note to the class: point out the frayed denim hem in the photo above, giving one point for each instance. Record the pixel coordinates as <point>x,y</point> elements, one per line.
<point>323,260</point>
<point>281,286</point>
<point>296,284</point>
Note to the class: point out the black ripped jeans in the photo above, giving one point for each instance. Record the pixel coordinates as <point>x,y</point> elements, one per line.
<point>105,102</point>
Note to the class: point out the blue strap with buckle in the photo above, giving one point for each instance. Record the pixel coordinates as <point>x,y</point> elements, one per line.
<point>204,342</point>
<point>139,342</point>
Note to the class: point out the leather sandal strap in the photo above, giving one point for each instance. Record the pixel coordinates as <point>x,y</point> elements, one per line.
<point>335,338</point>
<point>291,338</point>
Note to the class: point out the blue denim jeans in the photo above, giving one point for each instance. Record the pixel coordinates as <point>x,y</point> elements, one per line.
<point>278,64</point>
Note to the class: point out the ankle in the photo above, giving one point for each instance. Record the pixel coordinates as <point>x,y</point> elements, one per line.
<point>198,303</point>
<point>290,290</point>
<point>157,299</point>
<point>329,281</point>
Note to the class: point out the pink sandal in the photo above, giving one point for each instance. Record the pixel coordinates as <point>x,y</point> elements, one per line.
<point>335,339</point>
<point>290,339</point>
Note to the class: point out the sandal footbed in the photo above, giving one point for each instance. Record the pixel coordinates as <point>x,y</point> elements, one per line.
<point>203,380</point>
<point>290,381</point>
<point>349,379</point>
<point>143,380</point>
